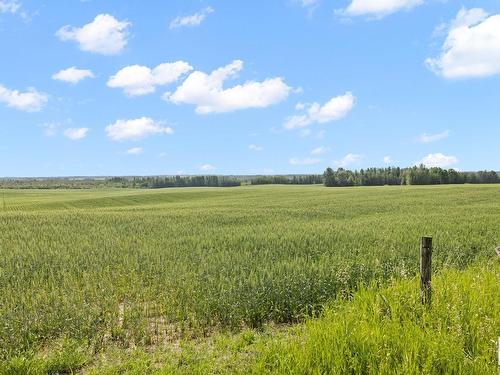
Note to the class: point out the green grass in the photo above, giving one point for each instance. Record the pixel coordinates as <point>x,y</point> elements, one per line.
<point>376,331</point>
<point>137,269</point>
<point>388,331</point>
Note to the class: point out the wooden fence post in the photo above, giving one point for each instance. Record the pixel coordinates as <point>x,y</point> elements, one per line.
<point>498,351</point>
<point>426,270</point>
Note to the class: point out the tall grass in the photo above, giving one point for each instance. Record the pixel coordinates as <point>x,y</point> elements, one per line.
<point>388,331</point>
<point>132,268</point>
<point>378,330</point>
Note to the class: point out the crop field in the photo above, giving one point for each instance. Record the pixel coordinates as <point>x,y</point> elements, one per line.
<point>131,269</point>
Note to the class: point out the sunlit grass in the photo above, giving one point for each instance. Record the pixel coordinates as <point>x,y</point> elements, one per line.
<point>134,268</point>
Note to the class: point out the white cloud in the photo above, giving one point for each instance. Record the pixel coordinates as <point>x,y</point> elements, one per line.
<point>378,8</point>
<point>136,129</point>
<point>304,161</point>
<point>335,109</point>
<point>255,147</point>
<point>320,150</point>
<point>72,75</point>
<point>429,138</point>
<point>307,3</point>
<point>467,17</point>
<point>438,160</point>
<point>29,101</point>
<point>310,5</point>
<point>207,167</point>
<point>135,151</point>
<point>76,133</point>
<point>104,35</point>
<point>141,80</point>
<point>471,48</point>
<point>207,93</point>
<point>348,160</point>
<point>191,21</point>
<point>387,160</point>
<point>50,129</point>
<point>9,6</point>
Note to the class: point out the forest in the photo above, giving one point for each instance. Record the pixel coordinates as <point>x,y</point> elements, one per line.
<point>417,175</point>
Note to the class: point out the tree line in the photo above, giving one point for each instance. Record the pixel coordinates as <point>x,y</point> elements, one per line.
<point>417,175</point>
<point>182,181</point>
<point>148,182</point>
<point>309,179</point>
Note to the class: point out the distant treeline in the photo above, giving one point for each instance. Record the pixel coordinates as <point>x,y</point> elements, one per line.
<point>179,181</point>
<point>156,182</point>
<point>56,183</point>
<point>420,175</point>
<point>309,179</point>
<point>417,175</point>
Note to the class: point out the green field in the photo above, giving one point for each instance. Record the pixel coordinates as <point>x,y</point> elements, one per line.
<point>88,272</point>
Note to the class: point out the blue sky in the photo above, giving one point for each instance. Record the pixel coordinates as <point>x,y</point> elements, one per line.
<point>103,87</point>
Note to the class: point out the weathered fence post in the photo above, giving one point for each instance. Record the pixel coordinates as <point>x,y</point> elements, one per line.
<point>498,351</point>
<point>426,270</point>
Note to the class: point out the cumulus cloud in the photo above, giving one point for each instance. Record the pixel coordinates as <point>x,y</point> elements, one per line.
<point>76,133</point>
<point>135,151</point>
<point>438,160</point>
<point>207,93</point>
<point>378,8</point>
<point>28,101</point>
<point>471,48</point>
<point>192,20</point>
<point>104,35</point>
<point>304,161</point>
<point>136,129</point>
<point>72,75</point>
<point>335,109</point>
<point>429,138</point>
<point>50,129</point>
<point>207,167</point>
<point>320,150</point>
<point>9,6</point>
<point>310,5</point>
<point>387,160</point>
<point>307,3</point>
<point>255,147</point>
<point>348,160</point>
<point>141,80</point>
